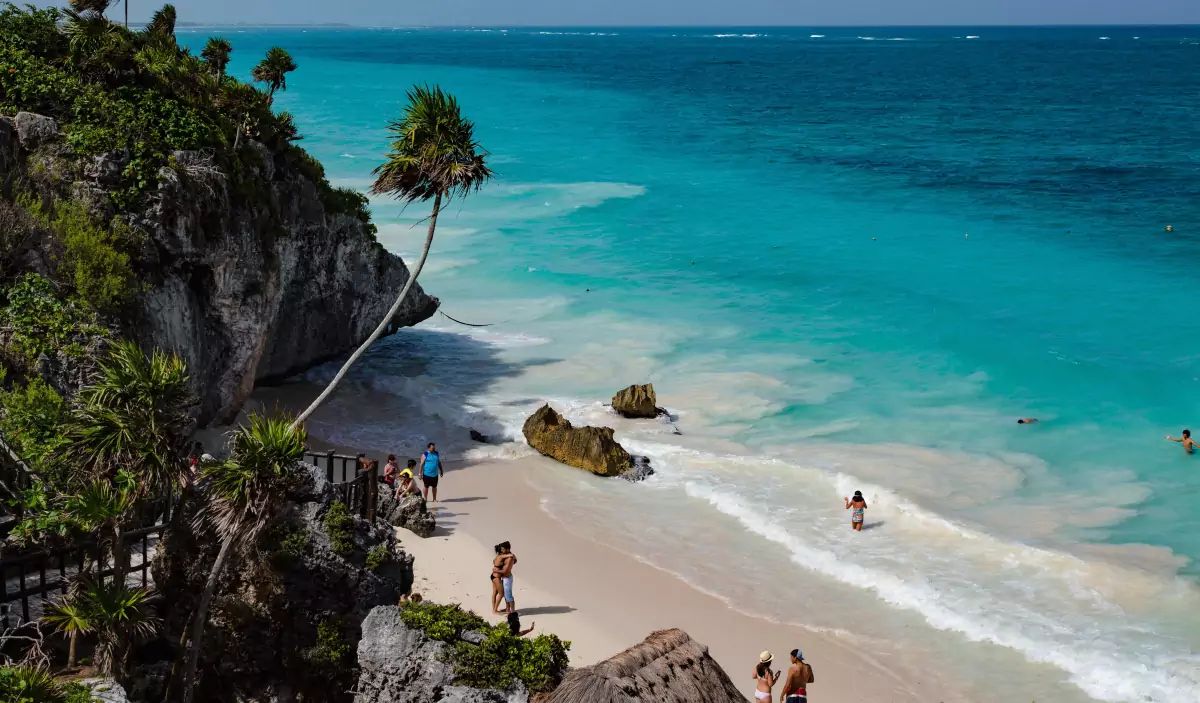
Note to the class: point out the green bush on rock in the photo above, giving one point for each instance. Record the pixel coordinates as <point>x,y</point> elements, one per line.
<point>31,418</point>
<point>501,659</point>
<point>378,556</point>
<point>95,259</point>
<point>339,525</point>
<point>39,321</point>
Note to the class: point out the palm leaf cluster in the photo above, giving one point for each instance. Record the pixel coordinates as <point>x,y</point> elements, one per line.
<point>273,70</point>
<point>434,151</point>
<point>119,616</point>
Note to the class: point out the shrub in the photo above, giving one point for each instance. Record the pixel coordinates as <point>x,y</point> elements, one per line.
<point>378,556</point>
<point>290,548</point>
<point>31,417</point>
<point>332,651</point>
<point>27,684</point>
<point>501,659</point>
<point>39,321</point>
<point>339,525</point>
<point>94,258</point>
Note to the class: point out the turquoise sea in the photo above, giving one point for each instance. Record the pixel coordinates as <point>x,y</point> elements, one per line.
<point>848,258</point>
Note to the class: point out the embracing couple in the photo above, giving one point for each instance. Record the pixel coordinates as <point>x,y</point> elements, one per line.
<point>502,578</point>
<point>795,687</point>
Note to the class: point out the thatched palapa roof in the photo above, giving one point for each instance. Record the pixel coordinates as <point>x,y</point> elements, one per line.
<point>667,667</point>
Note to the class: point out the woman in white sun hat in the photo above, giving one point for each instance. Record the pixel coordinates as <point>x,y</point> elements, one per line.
<point>764,678</point>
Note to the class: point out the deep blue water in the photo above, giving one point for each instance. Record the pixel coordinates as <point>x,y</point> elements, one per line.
<point>864,253</point>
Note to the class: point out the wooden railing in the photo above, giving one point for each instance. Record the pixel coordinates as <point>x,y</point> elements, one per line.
<point>357,488</point>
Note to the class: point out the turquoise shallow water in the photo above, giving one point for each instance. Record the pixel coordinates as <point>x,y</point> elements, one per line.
<point>847,260</point>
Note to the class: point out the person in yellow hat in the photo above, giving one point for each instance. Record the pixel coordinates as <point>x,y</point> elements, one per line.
<point>764,678</point>
<point>406,484</point>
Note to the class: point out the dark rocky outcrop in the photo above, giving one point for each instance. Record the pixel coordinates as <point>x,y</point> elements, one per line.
<point>666,667</point>
<point>398,664</point>
<point>261,640</point>
<point>589,448</point>
<point>637,401</point>
<point>408,512</point>
<point>248,276</point>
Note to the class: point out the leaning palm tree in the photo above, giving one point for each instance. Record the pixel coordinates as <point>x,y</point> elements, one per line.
<point>244,494</point>
<point>434,156</point>
<point>273,70</point>
<point>216,54</point>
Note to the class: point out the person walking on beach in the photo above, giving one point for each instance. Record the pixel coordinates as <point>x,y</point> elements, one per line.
<point>764,678</point>
<point>857,506</point>
<point>799,676</point>
<point>1189,446</point>
<point>431,470</point>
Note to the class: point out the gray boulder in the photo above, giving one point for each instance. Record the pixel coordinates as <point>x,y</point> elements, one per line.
<point>106,690</point>
<point>35,130</point>
<point>409,512</point>
<point>401,665</point>
<point>106,169</point>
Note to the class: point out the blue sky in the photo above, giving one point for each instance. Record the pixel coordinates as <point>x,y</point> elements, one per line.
<point>680,12</point>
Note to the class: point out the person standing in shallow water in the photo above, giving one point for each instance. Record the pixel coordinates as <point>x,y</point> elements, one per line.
<point>1189,445</point>
<point>857,507</point>
<point>431,470</point>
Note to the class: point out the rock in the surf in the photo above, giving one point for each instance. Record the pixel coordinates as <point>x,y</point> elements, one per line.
<point>589,448</point>
<point>636,401</point>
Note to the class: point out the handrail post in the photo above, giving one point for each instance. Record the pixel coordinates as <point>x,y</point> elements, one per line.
<point>372,490</point>
<point>329,467</point>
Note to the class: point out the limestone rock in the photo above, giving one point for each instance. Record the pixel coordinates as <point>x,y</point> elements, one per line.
<point>106,690</point>
<point>401,665</point>
<point>636,401</point>
<point>409,512</point>
<point>35,130</point>
<point>640,470</point>
<point>589,448</point>
<point>106,169</point>
<point>666,667</point>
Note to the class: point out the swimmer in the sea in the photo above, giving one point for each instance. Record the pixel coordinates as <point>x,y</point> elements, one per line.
<point>1027,421</point>
<point>1189,445</point>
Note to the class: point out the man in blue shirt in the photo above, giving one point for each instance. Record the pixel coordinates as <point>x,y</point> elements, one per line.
<point>431,470</point>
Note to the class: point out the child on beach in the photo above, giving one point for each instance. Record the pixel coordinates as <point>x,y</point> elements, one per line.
<point>764,678</point>
<point>857,506</point>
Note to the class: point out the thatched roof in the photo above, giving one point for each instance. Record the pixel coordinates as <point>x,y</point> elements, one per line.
<point>667,667</point>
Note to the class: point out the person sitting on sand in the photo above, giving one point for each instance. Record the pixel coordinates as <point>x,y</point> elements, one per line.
<point>1189,445</point>
<point>764,678</point>
<point>800,675</point>
<point>856,506</point>
<point>390,469</point>
<point>1027,421</point>
<point>514,625</point>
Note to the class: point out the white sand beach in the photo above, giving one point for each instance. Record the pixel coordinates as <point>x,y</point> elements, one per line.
<point>603,600</point>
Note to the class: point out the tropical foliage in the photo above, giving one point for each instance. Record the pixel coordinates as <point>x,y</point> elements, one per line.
<point>30,684</point>
<point>500,659</point>
<point>119,616</point>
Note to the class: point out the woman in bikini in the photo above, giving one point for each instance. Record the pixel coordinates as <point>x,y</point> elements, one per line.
<point>764,678</point>
<point>856,505</point>
<point>499,566</point>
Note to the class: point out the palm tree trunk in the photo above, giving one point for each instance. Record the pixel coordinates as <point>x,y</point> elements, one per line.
<point>120,559</point>
<point>387,320</point>
<point>126,14</point>
<point>200,617</point>
<point>72,650</point>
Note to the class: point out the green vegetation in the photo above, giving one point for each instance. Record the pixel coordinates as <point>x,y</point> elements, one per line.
<point>339,525</point>
<point>331,654</point>
<point>290,549</point>
<point>28,684</point>
<point>378,556</point>
<point>120,617</point>
<point>501,659</point>
<point>32,420</point>
<point>40,322</point>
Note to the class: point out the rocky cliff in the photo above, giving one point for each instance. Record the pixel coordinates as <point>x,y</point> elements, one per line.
<point>249,276</point>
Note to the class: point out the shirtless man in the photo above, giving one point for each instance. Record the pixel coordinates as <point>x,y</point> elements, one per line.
<point>1189,445</point>
<point>799,676</point>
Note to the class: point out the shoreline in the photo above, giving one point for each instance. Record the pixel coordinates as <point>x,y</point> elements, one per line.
<point>604,600</point>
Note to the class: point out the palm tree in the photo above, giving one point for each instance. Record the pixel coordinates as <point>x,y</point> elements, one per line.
<point>102,507</point>
<point>93,7</point>
<point>273,70</point>
<point>70,618</point>
<point>135,416</point>
<point>244,494</point>
<point>434,155</point>
<point>121,617</point>
<point>216,54</point>
<point>162,22</point>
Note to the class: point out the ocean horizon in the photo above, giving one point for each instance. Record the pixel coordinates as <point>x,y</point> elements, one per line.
<point>849,258</point>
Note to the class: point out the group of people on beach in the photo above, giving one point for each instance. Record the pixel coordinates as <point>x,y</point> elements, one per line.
<point>404,481</point>
<point>795,686</point>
